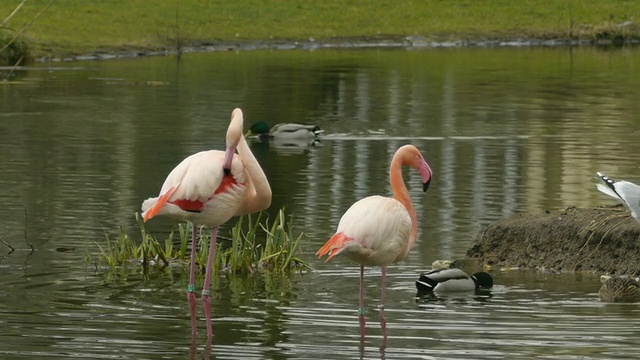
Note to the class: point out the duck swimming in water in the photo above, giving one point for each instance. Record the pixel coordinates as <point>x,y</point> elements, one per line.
<point>451,280</point>
<point>284,131</point>
<point>619,289</point>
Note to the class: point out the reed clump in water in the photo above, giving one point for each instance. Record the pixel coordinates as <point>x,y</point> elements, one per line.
<point>256,244</point>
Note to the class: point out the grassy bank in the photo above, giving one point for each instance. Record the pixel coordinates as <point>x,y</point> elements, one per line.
<point>78,27</point>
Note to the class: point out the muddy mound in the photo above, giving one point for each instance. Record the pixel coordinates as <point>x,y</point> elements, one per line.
<point>600,240</point>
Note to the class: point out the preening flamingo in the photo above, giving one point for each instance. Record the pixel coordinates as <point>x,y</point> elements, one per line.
<point>378,230</point>
<point>208,188</point>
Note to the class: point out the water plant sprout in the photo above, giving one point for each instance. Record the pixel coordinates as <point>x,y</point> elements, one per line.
<point>255,244</point>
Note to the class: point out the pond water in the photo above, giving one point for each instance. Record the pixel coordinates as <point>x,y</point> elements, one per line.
<point>504,130</point>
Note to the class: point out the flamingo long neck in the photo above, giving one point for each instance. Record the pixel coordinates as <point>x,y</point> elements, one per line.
<point>401,194</point>
<point>259,196</point>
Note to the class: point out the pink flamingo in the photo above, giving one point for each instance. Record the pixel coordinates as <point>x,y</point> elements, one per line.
<point>378,230</point>
<point>208,188</point>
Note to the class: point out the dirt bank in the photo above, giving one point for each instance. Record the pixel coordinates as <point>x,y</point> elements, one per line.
<point>599,240</point>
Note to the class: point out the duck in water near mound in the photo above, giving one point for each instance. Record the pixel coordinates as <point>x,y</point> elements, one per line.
<point>452,280</point>
<point>619,289</point>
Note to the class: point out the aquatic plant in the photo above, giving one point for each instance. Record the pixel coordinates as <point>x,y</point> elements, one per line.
<point>255,245</point>
<point>277,253</point>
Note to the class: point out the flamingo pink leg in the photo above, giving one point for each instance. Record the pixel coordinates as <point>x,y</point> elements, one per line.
<point>191,288</point>
<point>383,322</point>
<point>361,309</point>
<point>206,291</point>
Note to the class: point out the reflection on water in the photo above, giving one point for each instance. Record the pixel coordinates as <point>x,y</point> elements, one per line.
<point>504,130</point>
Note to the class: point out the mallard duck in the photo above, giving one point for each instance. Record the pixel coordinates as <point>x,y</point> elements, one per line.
<point>284,131</point>
<point>619,289</point>
<point>452,279</point>
<point>625,192</point>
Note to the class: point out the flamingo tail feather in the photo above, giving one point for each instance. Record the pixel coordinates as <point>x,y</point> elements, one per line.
<point>162,200</point>
<point>333,246</point>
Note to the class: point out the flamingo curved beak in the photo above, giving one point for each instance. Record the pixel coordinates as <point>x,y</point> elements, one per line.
<point>425,171</point>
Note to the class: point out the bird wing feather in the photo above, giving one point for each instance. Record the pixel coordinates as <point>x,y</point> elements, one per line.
<point>198,176</point>
<point>630,193</point>
<point>291,127</point>
<point>605,190</point>
<point>291,130</point>
<point>442,275</point>
<point>626,192</point>
<point>451,279</point>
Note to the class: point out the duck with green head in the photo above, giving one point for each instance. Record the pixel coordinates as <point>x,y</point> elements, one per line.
<point>284,131</point>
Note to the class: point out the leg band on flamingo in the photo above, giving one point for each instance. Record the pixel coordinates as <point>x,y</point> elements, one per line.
<point>191,288</point>
<point>206,292</point>
<point>361,311</point>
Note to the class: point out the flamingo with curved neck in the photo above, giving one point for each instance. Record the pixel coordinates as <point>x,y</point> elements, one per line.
<point>209,188</point>
<point>378,230</point>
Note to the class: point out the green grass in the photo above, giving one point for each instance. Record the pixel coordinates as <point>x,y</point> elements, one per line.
<point>76,27</point>
<point>256,244</point>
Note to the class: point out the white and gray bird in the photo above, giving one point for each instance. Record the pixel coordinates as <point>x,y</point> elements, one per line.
<point>452,280</point>
<point>625,192</point>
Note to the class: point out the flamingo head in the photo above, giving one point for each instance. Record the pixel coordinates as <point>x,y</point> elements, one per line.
<point>234,134</point>
<point>413,158</point>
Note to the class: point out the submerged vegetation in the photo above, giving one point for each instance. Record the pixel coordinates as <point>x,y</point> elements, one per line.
<point>80,27</point>
<point>256,244</point>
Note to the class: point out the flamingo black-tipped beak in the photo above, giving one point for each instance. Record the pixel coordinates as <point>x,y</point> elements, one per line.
<point>425,186</point>
<point>227,171</point>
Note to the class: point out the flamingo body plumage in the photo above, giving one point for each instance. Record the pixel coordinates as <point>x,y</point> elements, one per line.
<point>203,194</point>
<point>377,230</point>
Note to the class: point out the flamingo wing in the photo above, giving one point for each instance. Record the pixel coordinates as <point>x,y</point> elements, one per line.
<point>373,231</point>
<point>193,182</point>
